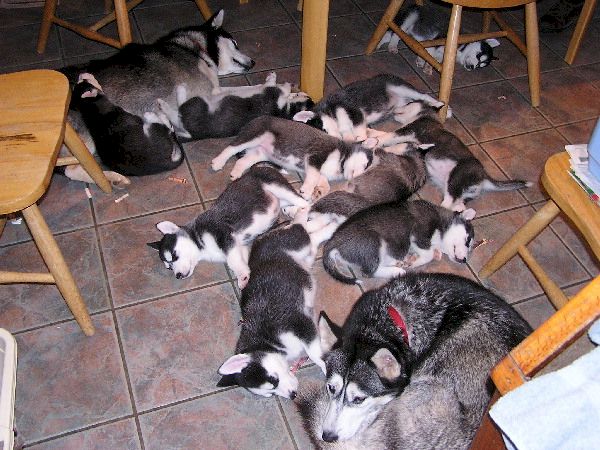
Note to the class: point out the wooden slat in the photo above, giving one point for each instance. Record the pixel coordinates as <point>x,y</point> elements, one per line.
<point>25,277</point>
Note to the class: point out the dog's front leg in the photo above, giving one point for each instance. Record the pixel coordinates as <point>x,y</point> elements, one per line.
<point>311,179</point>
<point>238,264</point>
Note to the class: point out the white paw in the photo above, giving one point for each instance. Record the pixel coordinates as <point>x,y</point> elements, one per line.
<point>116,179</point>
<point>393,49</point>
<point>271,79</point>
<point>290,211</point>
<point>242,279</point>
<point>217,164</point>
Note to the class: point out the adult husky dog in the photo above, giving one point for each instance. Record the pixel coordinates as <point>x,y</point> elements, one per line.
<point>138,74</point>
<point>435,338</point>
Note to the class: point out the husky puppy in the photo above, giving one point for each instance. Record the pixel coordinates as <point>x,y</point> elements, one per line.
<point>224,115</point>
<point>432,336</point>
<point>415,22</point>
<point>127,143</point>
<point>297,146</point>
<point>277,325</point>
<point>247,208</point>
<point>384,240</point>
<point>139,74</point>
<point>347,112</point>
<point>450,164</point>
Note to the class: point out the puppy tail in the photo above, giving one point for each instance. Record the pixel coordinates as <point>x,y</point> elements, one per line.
<point>330,262</point>
<point>505,185</point>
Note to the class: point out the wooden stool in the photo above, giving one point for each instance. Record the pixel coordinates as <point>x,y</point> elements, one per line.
<point>536,351</point>
<point>120,14</point>
<point>453,38</point>
<point>565,196</point>
<point>582,23</point>
<point>33,112</point>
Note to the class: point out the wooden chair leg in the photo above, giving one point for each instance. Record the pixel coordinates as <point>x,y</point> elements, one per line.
<point>582,23</point>
<point>487,21</point>
<point>533,52</point>
<point>522,237</point>
<point>47,20</point>
<point>58,267</point>
<point>204,9</point>
<point>85,158</point>
<point>315,16</point>
<point>449,59</point>
<point>488,436</point>
<point>388,16</point>
<point>2,224</point>
<point>123,25</point>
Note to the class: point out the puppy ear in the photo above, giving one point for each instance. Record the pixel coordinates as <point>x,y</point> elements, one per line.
<point>468,214</point>
<point>216,21</point>
<point>91,93</point>
<point>167,227</point>
<point>303,116</point>
<point>387,366</point>
<point>227,380</point>
<point>493,42</point>
<point>154,245</point>
<point>235,364</point>
<point>329,332</point>
<point>370,143</point>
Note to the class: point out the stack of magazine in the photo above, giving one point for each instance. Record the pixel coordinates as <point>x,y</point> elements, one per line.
<point>581,173</point>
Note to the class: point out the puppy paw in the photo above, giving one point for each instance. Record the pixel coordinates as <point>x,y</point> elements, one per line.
<point>290,211</point>
<point>235,174</point>
<point>437,254</point>
<point>271,79</point>
<point>393,49</point>
<point>217,164</point>
<point>117,180</point>
<point>242,280</point>
<point>428,69</point>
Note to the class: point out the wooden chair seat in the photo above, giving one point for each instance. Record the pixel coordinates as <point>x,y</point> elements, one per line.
<point>33,127</point>
<point>120,14</point>
<point>453,38</point>
<point>565,196</point>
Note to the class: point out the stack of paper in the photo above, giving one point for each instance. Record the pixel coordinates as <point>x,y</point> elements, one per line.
<point>581,173</point>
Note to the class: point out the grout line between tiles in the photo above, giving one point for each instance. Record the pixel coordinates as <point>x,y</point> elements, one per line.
<point>286,423</point>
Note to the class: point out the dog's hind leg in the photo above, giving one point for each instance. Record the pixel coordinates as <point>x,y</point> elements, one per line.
<point>238,265</point>
<point>77,172</point>
<point>244,163</point>
<point>286,195</point>
<point>265,139</point>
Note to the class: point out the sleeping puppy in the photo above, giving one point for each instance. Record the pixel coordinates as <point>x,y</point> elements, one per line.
<point>298,147</point>
<point>224,115</point>
<point>347,112</point>
<point>450,164</point>
<point>247,208</point>
<point>383,241</point>
<point>278,325</point>
<point>126,143</point>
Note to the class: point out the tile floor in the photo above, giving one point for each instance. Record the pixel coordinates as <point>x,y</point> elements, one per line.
<point>147,377</point>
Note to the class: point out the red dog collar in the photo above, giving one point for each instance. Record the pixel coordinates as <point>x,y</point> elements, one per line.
<point>397,319</point>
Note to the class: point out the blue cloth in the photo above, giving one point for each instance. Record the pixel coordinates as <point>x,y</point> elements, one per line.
<point>559,410</point>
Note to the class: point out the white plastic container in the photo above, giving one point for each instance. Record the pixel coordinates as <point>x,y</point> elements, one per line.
<point>594,151</point>
<point>8,382</point>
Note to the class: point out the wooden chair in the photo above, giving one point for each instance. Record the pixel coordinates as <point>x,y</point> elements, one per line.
<point>453,38</point>
<point>536,351</point>
<point>120,14</point>
<point>565,196</point>
<point>582,23</point>
<point>33,127</point>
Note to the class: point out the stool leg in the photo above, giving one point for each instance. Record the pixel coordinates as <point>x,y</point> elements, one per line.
<point>123,25</point>
<point>2,223</point>
<point>487,21</point>
<point>582,23</point>
<point>204,9</point>
<point>533,52</point>
<point>58,267</point>
<point>47,20</point>
<point>522,237</point>
<point>388,16</point>
<point>449,59</point>
<point>85,158</point>
<point>315,15</point>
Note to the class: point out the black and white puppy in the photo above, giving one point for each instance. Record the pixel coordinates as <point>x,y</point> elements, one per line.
<point>417,23</point>
<point>299,147</point>
<point>278,325</point>
<point>247,208</point>
<point>450,164</point>
<point>125,142</point>
<point>347,112</point>
<point>223,115</point>
<point>383,241</point>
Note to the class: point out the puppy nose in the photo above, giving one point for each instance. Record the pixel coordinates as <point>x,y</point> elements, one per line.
<point>464,260</point>
<point>293,395</point>
<point>179,275</point>
<point>252,62</point>
<point>329,436</point>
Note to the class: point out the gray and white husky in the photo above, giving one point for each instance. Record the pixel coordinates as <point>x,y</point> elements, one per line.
<point>247,208</point>
<point>383,241</point>
<point>298,147</point>
<point>139,74</point>
<point>410,366</point>
<point>347,112</point>
<point>415,22</point>
<point>278,324</point>
<point>224,114</point>
<point>450,164</point>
